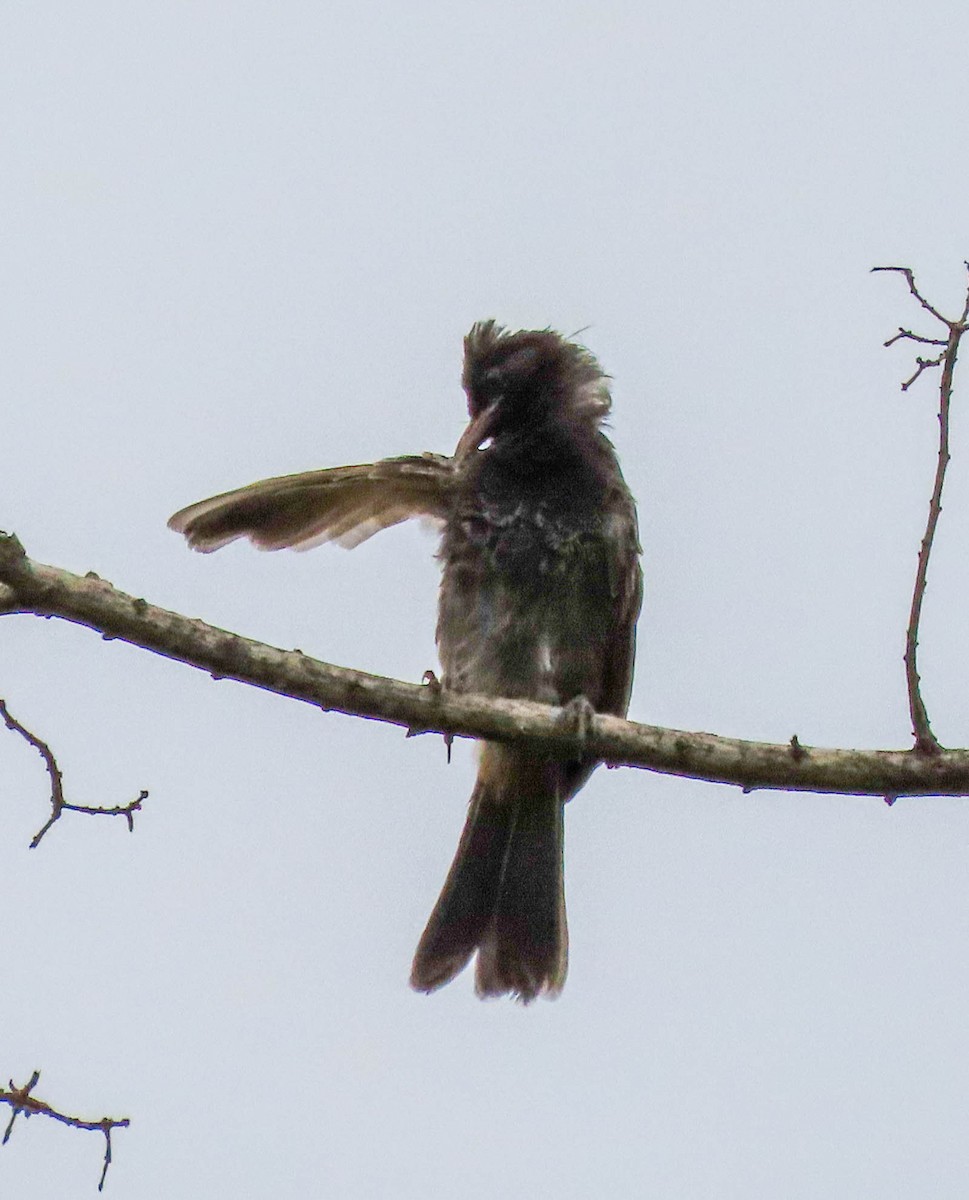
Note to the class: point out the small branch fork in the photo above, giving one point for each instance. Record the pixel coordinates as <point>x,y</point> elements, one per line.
<point>21,1101</point>
<point>925,740</point>
<point>58,804</point>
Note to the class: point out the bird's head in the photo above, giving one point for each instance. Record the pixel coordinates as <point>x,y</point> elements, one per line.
<point>522,381</point>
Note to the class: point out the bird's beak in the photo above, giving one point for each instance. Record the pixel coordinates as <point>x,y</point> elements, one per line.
<point>479,430</point>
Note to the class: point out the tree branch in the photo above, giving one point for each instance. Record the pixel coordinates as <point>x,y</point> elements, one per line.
<point>58,804</point>
<point>21,1101</point>
<point>424,708</point>
<point>925,740</point>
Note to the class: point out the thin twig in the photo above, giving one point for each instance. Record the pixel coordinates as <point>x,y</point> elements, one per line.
<point>58,805</point>
<point>922,364</point>
<point>910,279</point>
<point>913,337</point>
<point>21,1101</point>
<point>925,740</point>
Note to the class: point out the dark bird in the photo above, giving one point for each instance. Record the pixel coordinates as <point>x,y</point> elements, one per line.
<point>540,593</point>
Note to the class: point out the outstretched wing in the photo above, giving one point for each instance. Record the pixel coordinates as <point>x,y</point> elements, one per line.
<point>346,505</point>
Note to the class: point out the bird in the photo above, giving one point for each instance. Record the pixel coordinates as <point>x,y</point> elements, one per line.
<point>540,594</point>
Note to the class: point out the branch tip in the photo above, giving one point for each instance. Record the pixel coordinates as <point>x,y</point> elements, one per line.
<point>21,1101</point>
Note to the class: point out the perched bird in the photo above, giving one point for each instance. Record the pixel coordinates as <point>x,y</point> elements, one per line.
<point>540,593</point>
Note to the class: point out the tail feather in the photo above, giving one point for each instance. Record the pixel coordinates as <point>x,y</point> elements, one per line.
<point>525,947</point>
<point>504,895</point>
<point>467,900</point>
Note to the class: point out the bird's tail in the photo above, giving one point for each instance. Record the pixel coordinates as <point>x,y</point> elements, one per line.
<point>504,895</point>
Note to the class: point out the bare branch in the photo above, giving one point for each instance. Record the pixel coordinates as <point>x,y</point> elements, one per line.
<point>913,337</point>
<point>21,1101</point>
<point>909,276</point>
<point>925,740</point>
<point>90,601</point>
<point>922,364</point>
<point>58,804</point>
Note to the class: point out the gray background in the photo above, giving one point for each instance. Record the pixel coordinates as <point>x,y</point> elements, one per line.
<point>240,240</point>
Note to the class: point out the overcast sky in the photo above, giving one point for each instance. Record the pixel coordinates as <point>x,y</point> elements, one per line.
<point>240,240</point>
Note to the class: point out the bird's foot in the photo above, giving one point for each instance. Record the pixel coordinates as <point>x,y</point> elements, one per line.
<point>430,680</point>
<point>436,687</point>
<point>576,718</point>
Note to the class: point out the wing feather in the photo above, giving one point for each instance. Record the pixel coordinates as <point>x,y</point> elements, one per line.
<point>346,505</point>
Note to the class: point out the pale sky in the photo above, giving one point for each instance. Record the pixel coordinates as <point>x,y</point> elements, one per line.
<point>240,240</point>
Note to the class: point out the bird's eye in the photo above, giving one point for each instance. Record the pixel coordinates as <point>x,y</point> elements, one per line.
<point>491,389</point>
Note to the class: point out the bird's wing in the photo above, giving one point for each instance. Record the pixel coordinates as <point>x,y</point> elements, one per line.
<point>346,505</point>
<point>626,586</point>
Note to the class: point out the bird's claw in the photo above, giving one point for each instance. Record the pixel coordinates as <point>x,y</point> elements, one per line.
<point>431,681</point>
<point>576,718</point>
